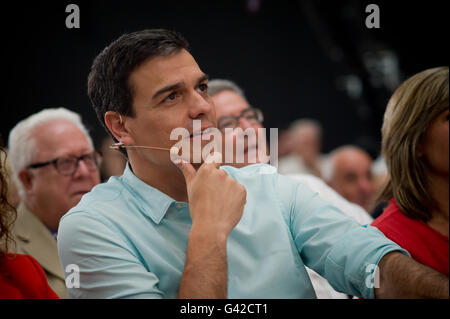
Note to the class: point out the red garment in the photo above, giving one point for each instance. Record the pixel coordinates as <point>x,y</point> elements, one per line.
<point>425,244</point>
<point>21,276</point>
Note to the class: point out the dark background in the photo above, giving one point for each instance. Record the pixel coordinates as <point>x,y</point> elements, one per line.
<point>290,57</point>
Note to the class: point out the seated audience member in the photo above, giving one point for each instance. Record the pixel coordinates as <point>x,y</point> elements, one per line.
<point>53,164</point>
<point>348,171</point>
<point>285,144</point>
<point>415,144</point>
<point>20,275</point>
<point>113,162</point>
<point>169,228</point>
<point>230,103</point>
<point>306,143</point>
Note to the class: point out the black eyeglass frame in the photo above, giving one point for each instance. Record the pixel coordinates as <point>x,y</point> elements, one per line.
<point>258,113</point>
<point>96,155</point>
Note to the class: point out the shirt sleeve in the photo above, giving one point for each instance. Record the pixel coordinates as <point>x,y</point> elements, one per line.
<point>98,262</point>
<point>332,243</point>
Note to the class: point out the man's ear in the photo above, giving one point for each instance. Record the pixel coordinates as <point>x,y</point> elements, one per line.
<point>117,125</point>
<point>27,179</point>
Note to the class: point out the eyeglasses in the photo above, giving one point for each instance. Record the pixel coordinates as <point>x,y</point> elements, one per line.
<point>252,115</point>
<point>68,165</point>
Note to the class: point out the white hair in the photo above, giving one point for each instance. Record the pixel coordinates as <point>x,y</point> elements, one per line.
<point>22,145</point>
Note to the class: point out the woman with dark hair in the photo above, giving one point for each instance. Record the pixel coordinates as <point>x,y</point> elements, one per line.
<point>20,275</point>
<point>415,144</point>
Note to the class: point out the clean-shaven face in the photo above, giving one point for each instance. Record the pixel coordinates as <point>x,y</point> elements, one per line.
<point>52,192</point>
<point>168,92</point>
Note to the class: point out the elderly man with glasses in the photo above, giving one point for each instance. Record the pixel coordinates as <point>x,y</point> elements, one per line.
<point>54,164</point>
<point>233,111</point>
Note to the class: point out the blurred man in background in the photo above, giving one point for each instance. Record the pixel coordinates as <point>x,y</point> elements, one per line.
<point>305,137</point>
<point>349,172</point>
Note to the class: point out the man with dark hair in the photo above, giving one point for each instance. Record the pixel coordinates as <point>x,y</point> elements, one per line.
<point>166,230</point>
<point>109,86</point>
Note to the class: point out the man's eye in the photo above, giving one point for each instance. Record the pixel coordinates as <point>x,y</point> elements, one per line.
<point>203,87</point>
<point>64,162</point>
<point>171,97</point>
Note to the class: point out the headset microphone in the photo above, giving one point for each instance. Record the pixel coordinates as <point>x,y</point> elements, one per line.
<point>173,150</point>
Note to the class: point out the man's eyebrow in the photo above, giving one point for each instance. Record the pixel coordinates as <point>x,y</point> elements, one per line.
<point>204,77</point>
<point>175,86</point>
<point>167,89</point>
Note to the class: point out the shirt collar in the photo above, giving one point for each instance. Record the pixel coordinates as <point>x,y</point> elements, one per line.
<point>152,202</point>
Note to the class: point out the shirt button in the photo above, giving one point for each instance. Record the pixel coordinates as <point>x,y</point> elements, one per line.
<point>179,206</point>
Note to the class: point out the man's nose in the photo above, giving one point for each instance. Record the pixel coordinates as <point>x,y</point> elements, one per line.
<point>244,123</point>
<point>199,106</point>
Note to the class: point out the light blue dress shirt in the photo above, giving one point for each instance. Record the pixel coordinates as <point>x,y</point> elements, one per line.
<point>129,240</point>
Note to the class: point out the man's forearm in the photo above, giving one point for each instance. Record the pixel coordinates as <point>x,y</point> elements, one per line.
<point>205,272</point>
<point>403,277</point>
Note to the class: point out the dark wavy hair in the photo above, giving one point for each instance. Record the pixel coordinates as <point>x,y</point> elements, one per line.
<point>8,212</point>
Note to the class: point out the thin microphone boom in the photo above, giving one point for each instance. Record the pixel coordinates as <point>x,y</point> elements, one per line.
<point>216,157</point>
<point>117,146</point>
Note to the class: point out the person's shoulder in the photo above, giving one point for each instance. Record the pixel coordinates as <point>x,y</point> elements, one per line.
<point>101,196</point>
<point>395,225</point>
<point>253,170</point>
<point>392,217</point>
<point>265,179</point>
<point>107,191</point>
<point>26,277</point>
<point>308,179</point>
<point>315,184</point>
<point>21,264</point>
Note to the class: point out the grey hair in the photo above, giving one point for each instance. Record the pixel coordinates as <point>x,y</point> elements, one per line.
<point>218,85</point>
<point>22,145</point>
